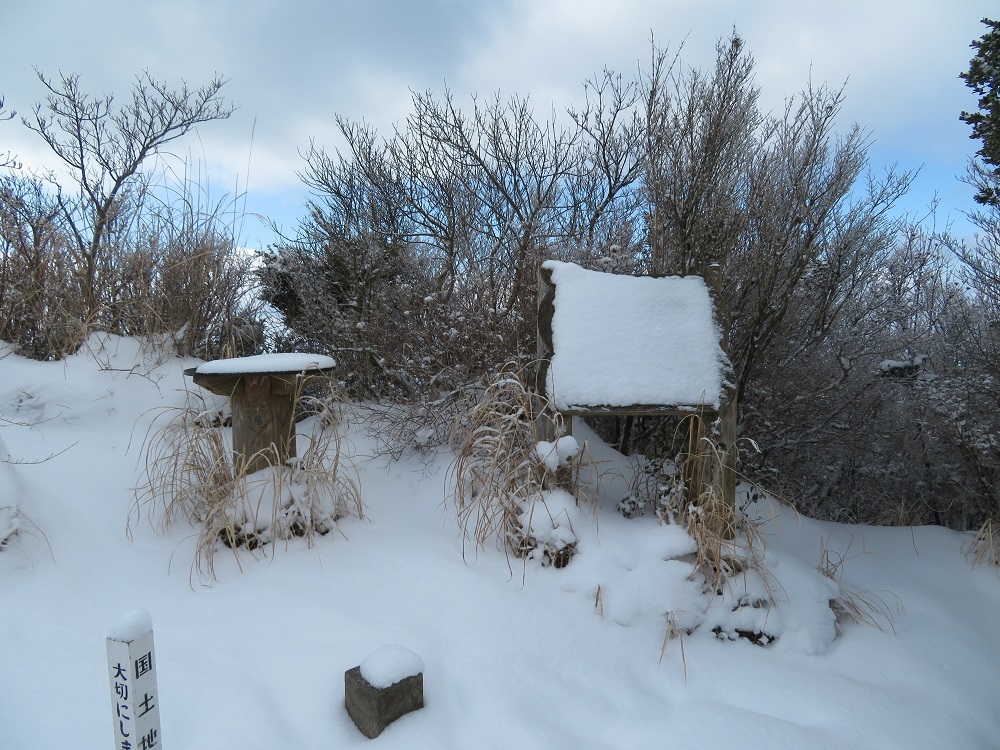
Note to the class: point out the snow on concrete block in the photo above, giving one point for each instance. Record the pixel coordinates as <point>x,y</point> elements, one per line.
<point>390,664</point>
<point>385,686</point>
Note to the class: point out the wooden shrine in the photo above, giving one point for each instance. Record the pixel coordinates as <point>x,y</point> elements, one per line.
<point>639,346</point>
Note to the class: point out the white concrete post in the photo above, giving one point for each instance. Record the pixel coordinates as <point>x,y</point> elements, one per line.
<point>135,700</point>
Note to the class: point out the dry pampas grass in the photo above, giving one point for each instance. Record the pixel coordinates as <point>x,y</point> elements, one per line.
<point>191,475</point>
<point>499,477</point>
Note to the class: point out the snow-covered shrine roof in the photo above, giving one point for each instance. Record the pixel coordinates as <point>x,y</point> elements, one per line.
<point>630,344</point>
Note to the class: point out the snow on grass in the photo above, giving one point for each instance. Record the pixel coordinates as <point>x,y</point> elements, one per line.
<point>514,654</point>
<point>554,455</point>
<point>9,523</point>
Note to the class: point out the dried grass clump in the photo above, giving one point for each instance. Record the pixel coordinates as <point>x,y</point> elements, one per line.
<point>729,547</point>
<point>674,631</point>
<point>688,493</point>
<point>189,470</point>
<point>984,547</point>
<point>191,475</point>
<point>10,524</point>
<point>501,480</point>
<point>862,607</point>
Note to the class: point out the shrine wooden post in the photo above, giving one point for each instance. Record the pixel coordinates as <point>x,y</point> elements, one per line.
<point>262,391</point>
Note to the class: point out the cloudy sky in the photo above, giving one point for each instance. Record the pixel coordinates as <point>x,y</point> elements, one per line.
<point>292,65</point>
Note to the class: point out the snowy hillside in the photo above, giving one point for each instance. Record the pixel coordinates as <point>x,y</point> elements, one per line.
<point>593,655</point>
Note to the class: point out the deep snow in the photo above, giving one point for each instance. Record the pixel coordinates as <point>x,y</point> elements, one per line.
<point>625,340</point>
<point>514,654</point>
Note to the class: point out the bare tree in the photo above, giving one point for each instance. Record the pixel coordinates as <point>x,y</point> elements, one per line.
<point>603,196</point>
<point>510,168</point>
<point>861,423</point>
<point>773,200</point>
<point>105,145</point>
<point>446,221</point>
<point>7,160</point>
<point>701,131</point>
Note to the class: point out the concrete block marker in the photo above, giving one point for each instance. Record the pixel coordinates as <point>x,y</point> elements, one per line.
<point>135,700</point>
<point>385,686</point>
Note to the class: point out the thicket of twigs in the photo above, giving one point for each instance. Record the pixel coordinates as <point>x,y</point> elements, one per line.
<point>866,361</point>
<point>125,240</point>
<point>418,258</point>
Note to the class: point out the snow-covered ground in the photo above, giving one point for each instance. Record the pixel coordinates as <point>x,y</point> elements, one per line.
<point>515,655</point>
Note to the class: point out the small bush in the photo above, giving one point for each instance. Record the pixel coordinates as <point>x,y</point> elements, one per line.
<point>10,524</point>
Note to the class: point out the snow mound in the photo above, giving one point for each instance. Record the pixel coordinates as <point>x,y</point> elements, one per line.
<point>586,656</point>
<point>555,455</point>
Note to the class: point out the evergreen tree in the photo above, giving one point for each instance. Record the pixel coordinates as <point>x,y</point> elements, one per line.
<point>983,77</point>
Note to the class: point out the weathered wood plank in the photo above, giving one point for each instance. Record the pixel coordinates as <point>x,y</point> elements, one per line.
<point>263,428</point>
